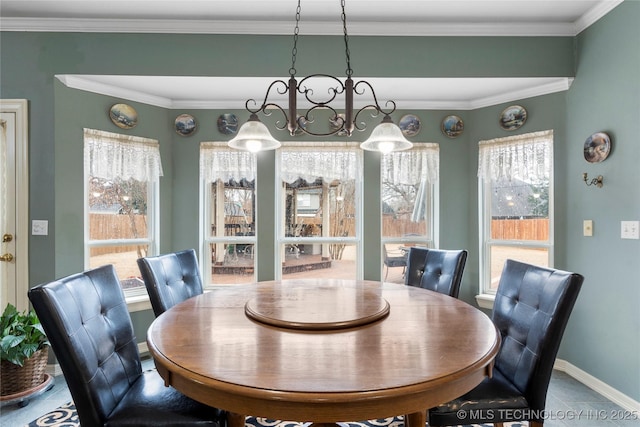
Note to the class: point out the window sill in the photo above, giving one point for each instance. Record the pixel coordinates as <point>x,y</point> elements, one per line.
<point>138,303</point>
<point>485,301</point>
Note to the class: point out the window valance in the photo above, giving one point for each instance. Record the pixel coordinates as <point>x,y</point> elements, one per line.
<point>410,167</point>
<point>219,162</point>
<point>528,156</point>
<point>328,160</point>
<point>115,156</point>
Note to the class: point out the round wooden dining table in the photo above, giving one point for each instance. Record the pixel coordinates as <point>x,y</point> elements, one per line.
<point>323,350</point>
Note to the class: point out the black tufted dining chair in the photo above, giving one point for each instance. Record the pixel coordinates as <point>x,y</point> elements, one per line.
<point>436,269</point>
<point>531,309</point>
<point>170,278</point>
<point>86,319</point>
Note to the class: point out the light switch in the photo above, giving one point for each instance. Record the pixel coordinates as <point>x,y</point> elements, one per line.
<point>587,228</point>
<point>630,229</point>
<point>39,227</point>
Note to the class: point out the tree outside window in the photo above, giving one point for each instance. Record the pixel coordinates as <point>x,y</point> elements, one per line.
<point>121,193</point>
<point>516,219</point>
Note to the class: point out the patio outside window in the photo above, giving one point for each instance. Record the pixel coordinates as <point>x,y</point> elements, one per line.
<point>228,177</point>
<point>409,197</point>
<point>319,193</point>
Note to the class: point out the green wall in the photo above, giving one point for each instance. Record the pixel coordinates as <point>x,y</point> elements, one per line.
<point>602,338</point>
<point>609,347</point>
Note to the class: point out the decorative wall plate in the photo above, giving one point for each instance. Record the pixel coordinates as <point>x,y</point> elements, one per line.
<point>185,124</point>
<point>410,125</point>
<point>124,116</point>
<point>452,126</point>
<point>227,124</point>
<point>597,147</point>
<point>513,117</point>
<point>335,124</point>
<point>301,123</point>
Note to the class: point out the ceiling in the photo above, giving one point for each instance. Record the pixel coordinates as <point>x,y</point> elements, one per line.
<point>364,17</point>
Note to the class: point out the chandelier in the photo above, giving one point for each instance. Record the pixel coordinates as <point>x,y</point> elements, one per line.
<point>255,136</point>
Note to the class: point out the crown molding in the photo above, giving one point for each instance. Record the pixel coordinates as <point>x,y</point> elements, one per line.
<point>171,26</point>
<point>597,12</point>
<point>87,84</point>
<point>559,85</point>
<point>315,26</point>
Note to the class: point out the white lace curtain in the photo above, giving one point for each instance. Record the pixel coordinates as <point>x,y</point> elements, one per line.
<point>410,167</point>
<point>528,156</point>
<point>329,161</point>
<point>219,162</point>
<point>110,156</point>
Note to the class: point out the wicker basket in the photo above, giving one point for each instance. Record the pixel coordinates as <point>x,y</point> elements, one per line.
<point>15,379</point>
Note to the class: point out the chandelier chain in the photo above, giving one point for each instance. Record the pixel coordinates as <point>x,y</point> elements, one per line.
<point>254,135</point>
<point>294,51</point>
<point>347,53</point>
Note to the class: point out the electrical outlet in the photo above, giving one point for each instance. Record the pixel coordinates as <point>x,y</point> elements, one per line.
<point>39,227</point>
<point>587,228</point>
<point>630,229</point>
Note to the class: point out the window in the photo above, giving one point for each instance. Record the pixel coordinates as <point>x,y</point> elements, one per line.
<point>516,196</point>
<point>228,180</point>
<point>319,194</point>
<point>121,209</point>
<point>408,194</point>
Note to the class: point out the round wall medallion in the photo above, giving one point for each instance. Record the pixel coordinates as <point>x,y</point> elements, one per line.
<point>185,124</point>
<point>124,116</point>
<point>597,147</point>
<point>227,124</point>
<point>513,117</point>
<point>410,125</point>
<point>452,126</point>
<point>302,123</point>
<point>337,125</point>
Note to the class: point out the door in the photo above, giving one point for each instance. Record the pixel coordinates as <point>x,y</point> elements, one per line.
<point>14,264</point>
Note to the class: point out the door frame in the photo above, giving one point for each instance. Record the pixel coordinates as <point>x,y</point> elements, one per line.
<point>19,107</point>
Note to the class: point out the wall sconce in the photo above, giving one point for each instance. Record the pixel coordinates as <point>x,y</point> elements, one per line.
<point>595,181</point>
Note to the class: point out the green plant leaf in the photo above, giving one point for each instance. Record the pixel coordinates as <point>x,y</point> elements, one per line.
<point>22,335</point>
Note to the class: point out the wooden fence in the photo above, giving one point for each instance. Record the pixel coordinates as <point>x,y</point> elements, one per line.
<point>106,227</point>
<point>520,229</point>
<point>398,227</point>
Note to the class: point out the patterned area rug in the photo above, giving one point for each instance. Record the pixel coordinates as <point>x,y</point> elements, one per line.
<point>66,416</point>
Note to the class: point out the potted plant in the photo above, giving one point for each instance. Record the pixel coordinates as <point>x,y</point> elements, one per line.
<point>23,351</point>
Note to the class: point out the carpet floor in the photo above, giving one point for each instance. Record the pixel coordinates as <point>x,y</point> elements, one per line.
<point>66,416</point>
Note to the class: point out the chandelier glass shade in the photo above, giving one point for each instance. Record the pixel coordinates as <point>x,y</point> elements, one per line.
<point>255,136</point>
<point>386,137</point>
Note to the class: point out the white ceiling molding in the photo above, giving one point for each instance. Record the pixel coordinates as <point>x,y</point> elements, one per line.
<point>411,29</point>
<point>187,92</point>
<point>91,85</point>
<point>545,88</point>
<point>597,12</point>
<point>435,18</point>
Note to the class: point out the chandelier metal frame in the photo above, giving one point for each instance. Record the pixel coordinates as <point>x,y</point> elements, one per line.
<point>344,125</point>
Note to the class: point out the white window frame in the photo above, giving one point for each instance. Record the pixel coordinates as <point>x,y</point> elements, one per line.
<point>432,203</point>
<point>486,295</point>
<point>137,295</point>
<point>206,240</point>
<point>281,239</point>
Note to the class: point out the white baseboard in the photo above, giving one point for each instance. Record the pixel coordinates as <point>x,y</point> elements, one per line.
<point>143,349</point>
<point>597,385</point>
<point>54,368</point>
